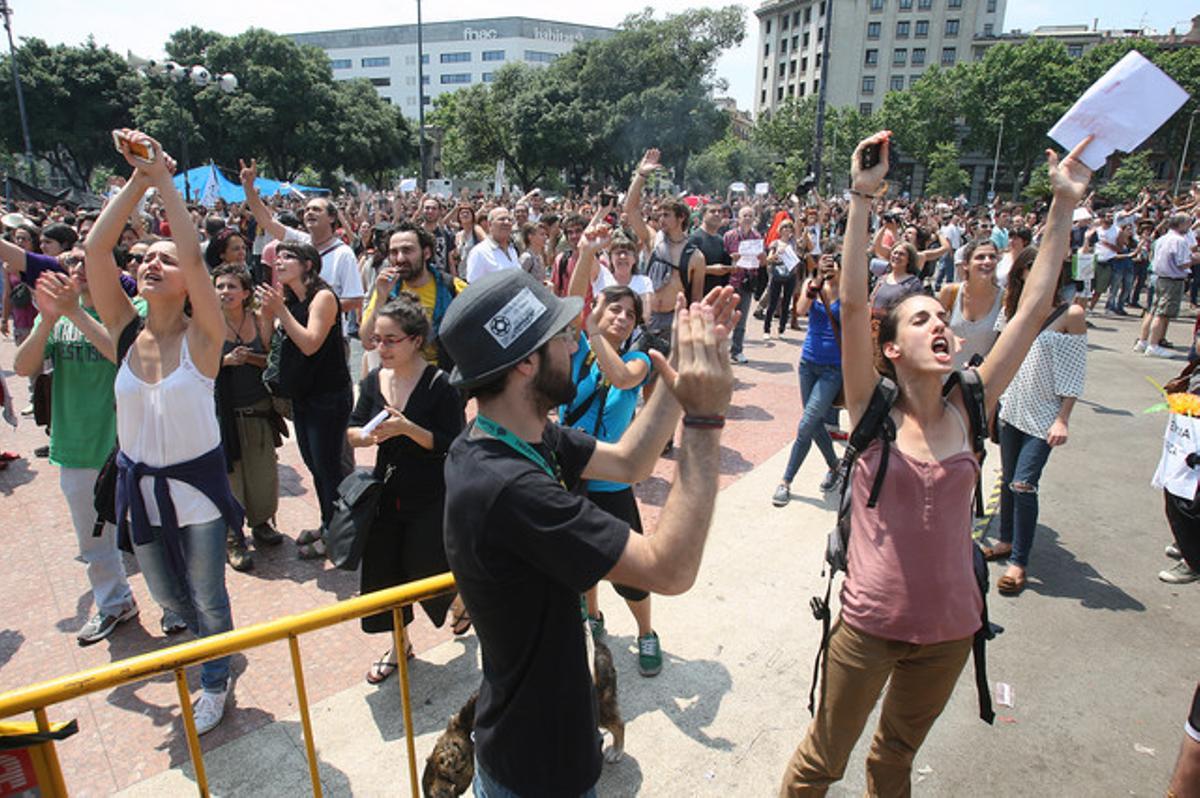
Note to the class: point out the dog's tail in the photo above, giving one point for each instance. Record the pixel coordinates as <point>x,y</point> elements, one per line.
<point>466,715</point>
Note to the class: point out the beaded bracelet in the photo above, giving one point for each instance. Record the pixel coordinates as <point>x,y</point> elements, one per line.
<point>855,192</point>
<point>704,422</point>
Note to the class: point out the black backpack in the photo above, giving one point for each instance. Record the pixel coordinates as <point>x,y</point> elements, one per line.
<point>875,423</point>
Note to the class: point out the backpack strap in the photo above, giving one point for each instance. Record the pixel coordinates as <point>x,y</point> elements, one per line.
<point>971,385</point>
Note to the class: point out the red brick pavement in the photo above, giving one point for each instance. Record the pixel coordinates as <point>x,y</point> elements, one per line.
<point>136,731</point>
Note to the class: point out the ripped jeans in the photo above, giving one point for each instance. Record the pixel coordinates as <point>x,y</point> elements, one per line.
<point>1022,458</point>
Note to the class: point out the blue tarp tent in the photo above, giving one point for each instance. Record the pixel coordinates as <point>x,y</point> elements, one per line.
<point>206,183</point>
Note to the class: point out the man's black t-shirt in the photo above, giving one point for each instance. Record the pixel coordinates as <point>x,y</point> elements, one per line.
<point>522,549</point>
<point>443,241</point>
<point>713,247</point>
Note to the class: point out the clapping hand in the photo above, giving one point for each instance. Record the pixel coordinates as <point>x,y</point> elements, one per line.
<point>699,375</point>
<point>57,295</point>
<point>270,297</point>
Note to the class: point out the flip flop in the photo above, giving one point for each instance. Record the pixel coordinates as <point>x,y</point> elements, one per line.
<point>381,671</point>
<point>992,554</point>
<point>461,624</point>
<point>311,551</point>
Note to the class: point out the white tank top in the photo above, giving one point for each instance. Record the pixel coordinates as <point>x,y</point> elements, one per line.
<point>977,336</point>
<point>171,421</point>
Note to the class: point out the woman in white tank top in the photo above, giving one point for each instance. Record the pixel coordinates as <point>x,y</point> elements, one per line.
<point>173,498</point>
<point>979,296</point>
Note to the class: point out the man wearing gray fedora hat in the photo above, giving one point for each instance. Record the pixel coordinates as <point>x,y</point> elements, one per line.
<point>523,545</point>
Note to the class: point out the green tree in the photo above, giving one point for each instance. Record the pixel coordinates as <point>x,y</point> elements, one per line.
<point>1038,187</point>
<point>724,162</point>
<point>789,134</point>
<point>1130,178</point>
<point>945,176</point>
<point>74,96</point>
<point>928,113</point>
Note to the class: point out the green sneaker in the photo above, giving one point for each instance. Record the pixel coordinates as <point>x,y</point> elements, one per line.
<point>649,655</point>
<point>596,622</point>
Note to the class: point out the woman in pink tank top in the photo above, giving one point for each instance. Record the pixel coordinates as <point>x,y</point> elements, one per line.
<point>910,605</point>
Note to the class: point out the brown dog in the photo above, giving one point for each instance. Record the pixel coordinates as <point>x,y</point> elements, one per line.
<point>451,765</point>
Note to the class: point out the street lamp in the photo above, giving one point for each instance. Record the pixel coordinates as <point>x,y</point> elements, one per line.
<point>12,56</point>
<point>421,96</point>
<point>996,160</point>
<point>1183,158</point>
<point>199,77</point>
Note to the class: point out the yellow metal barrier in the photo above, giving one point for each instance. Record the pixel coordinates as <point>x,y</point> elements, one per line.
<point>36,697</point>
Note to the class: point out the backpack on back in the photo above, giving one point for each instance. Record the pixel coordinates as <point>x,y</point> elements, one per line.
<point>876,423</point>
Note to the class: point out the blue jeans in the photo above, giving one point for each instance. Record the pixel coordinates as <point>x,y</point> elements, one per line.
<point>321,422</point>
<point>202,602</point>
<point>945,271</point>
<point>1022,458</point>
<point>484,786</point>
<point>819,386</point>
<point>1121,285</point>
<point>745,294</point>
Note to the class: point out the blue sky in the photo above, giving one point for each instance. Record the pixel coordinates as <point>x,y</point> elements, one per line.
<point>143,28</point>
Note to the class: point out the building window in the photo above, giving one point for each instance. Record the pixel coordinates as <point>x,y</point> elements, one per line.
<point>822,14</point>
<point>457,77</point>
<point>341,63</point>
<point>425,59</point>
<point>806,34</point>
<point>795,43</point>
<point>381,81</point>
<point>1074,50</point>
<point>791,92</point>
<point>426,99</point>
<point>897,83</point>
<point>779,94</point>
<point>488,77</point>
<point>918,56</point>
<point>409,60</point>
<point>425,80</point>
<point>808,15</point>
<point>988,28</point>
<point>378,61</point>
<point>762,100</point>
<point>953,3</point>
<point>782,68</point>
<point>991,6</point>
<point>818,62</point>
<point>792,67</point>
<point>796,20</point>
<point>900,56</point>
<point>539,57</point>
<point>872,58</point>
<point>912,79</point>
<point>768,26</point>
<point>948,56</point>
<point>873,29</point>
<point>455,58</point>
<point>493,55</point>
<point>804,64</point>
<point>411,80</point>
<point>924,5</point>
<point>868,84</point>
<point>410,100</point>
<point>922,31</point>
<point>902,29</point>
<point>802,88</point>
<point>820,34</point>
<point>906,5</point>
<point>876,5</point>
<point>766,74</point>
<point>865,109</point>
<point>783,47</point>
<point>952,27</point>
<point>766,49</point>
<point>783,22</point>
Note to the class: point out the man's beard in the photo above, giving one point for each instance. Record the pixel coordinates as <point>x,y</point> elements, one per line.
<point>550,389</point>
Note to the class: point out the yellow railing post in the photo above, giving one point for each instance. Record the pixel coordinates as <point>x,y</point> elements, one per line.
<point>189,726</point>
<point>400,635</point>
<point>50,757</point>
<point>310,745</point>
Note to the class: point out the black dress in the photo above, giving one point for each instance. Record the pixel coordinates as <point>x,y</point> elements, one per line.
<point>405,542</point>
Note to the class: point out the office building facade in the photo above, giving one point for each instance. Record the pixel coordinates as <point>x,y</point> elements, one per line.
<point>874,46</point>
<point>456,54</point>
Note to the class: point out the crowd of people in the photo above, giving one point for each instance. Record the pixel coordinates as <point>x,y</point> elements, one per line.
<point>176,345</point>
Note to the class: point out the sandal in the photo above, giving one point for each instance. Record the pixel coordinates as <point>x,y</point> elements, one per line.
<point>381,671</point>
<point>994,553</point>
<point>1010,585</point>
<point>311,551</point>
<point>308,536</point>
<point>460,624</point>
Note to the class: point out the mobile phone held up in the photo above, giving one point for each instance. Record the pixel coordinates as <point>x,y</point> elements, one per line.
<point>137,149</point>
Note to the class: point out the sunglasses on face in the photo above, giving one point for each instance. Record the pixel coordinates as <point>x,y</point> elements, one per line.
<point>136,258</point>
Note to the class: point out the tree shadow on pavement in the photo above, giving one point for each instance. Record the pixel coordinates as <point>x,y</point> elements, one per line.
<point>1055,572</point>
<point>10,641</point>
<point>748,413</point>
<point>687,692</point>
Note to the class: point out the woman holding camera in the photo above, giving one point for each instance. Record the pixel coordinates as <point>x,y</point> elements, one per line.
<point>820,375</point>
<point>425,415</point>
<point>173,497</point>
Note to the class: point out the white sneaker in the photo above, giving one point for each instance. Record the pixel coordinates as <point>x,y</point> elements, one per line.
<point>209,709</point>
<point>766,336</point>
<point>1159,351</point>
<point>1139,346</point>
<point>1173,552</point>
<point>1179,574</point>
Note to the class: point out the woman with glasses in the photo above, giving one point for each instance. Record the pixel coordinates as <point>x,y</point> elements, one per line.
<point>424,416</point>
<point>312,373</point>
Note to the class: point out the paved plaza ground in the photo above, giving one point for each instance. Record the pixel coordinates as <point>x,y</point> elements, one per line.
<point>1101,656</point>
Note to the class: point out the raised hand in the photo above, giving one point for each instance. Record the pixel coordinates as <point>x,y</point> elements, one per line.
<point>595,238</point>
<point>868,181</point>
<point>650,162</point>
<point>1070,177</point>
<point>699,374</point>
<point>247,174</point>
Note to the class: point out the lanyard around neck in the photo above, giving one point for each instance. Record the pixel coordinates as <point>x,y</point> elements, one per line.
<point>523,448</point>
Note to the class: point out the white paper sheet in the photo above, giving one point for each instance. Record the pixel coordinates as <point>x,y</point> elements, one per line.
<point>1122,109</point>
<point>762,189</point>
<point>1173,473</point>
<point>748,252</point>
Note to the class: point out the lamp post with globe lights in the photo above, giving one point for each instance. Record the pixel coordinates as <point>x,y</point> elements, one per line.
<point>6,12</point>
<point>197,77</point>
